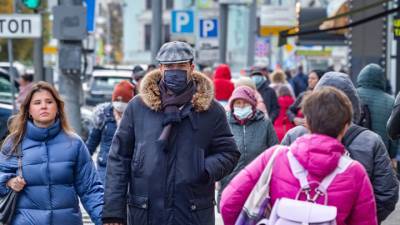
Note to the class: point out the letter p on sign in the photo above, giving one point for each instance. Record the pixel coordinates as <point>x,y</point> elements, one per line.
<point>182,21</point>
<point>208,28</point>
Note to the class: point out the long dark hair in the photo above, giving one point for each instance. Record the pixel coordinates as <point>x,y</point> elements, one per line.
<point>18,124</point>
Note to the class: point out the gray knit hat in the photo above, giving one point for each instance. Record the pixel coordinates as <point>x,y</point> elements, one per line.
<point>175,52</point>
<point>342,82</point>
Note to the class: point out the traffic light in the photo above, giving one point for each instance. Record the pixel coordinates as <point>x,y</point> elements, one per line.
<point>31,4</point>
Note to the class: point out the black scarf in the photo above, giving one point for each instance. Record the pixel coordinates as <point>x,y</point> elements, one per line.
<point>171,103</point>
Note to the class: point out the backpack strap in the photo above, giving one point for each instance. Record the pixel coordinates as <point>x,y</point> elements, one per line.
<point>301,174</point>
<point>351,134</point>
<point>298,171</point>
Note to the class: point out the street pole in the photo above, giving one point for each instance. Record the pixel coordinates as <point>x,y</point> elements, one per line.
<point>156,28</point>
<point>11,70</point>
<point>223,28</point>
<point>252,31</point>
<point>11,73</point>
<point>70,83</point>
<point>38,59</point>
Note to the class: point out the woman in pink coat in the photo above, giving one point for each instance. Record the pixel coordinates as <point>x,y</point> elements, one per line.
<point>328,114</point>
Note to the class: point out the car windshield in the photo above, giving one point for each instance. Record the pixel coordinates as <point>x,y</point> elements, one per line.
<point>5,90</point>
<point>106,83</point>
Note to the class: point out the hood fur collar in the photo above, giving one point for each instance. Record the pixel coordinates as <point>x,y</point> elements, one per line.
<point>150,92</point>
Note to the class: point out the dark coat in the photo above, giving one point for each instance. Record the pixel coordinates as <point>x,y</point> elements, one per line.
<point>175,185</point>
<point>371,88</point>
<point>270,100</point>
<point>102,134</point>
<point>368,149</point>
<point>57,169</point>
<point>299,83</point>
<point>393,125</point>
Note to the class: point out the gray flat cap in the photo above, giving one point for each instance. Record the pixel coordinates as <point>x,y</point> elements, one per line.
<point>175,52</point>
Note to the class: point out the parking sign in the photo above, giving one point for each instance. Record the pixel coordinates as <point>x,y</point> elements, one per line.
<point>208,28</point>
<point>182,21</point>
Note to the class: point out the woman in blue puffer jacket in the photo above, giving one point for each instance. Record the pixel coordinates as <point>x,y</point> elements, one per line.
<point>56,165</point>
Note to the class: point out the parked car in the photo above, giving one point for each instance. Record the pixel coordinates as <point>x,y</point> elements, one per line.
<point>5,101</point>
<point>101,85</point>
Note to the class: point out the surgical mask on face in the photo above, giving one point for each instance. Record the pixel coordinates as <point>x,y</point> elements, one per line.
<point>176,80</point>
<point>119,106</point>
<point>258,79</point>
<point>242,113</point>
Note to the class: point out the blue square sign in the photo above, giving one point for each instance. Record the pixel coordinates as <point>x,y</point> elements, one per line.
<point>182,21</point>
<point>208,28</point>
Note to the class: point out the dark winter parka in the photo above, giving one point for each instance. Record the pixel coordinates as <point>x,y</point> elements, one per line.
<point>270,100</point>
<point>57,169</point>
<point>102,132</point>
<point>371,88</point>
<point>172,185</point>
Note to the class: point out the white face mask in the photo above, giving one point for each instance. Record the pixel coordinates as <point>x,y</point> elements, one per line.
<point>242,113</point>
<point>120,106</point>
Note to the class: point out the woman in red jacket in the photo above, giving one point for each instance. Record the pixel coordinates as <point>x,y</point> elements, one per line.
<point>282,124</point>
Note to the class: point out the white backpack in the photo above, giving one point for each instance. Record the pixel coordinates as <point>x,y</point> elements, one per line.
<point>296,212</point>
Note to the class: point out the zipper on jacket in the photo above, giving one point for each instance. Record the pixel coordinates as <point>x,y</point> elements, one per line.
<point>244,140</point>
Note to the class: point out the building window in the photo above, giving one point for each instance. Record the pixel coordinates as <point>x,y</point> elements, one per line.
<point>147,37</point>
<point>148,4</point>
<point>169,4</point>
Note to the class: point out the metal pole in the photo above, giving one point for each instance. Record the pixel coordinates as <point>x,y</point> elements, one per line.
<point>11,72</point>
<point>252,30</point>
<point>223,28</point>
<point>156,28</point>
<point>38,59</point>
<point>71,87</point>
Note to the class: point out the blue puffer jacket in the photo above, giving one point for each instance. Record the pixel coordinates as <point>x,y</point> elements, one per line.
<point>57,169</point>
<point>102,132</point>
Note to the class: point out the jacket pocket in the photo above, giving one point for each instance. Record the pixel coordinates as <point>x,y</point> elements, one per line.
<point>200,172</point>
<point>202,211</point>
<point>138,156</point>
<point>138,210</point>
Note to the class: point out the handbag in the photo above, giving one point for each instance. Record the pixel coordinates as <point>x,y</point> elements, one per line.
<point>9,201</point>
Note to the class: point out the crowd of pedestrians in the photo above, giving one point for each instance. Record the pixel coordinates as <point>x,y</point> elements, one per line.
<point>275,146</point>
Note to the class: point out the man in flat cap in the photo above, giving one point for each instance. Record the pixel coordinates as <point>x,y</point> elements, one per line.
<point>173,144</point>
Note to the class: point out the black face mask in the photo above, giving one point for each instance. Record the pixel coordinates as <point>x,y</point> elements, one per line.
<point>176,80</point>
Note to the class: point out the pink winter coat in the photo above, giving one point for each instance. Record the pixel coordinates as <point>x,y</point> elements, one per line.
<point>351,191</point>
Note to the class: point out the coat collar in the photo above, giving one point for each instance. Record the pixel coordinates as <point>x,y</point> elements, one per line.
<point>42,134</point>
<point>201,101</point>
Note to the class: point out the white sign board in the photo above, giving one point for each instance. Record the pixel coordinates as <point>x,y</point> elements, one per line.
<point>20,26</point>
<point>278,16</point>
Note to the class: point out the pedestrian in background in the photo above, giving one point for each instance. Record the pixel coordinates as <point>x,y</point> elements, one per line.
<point>57,171</point>
<point>299,81</point>
<point>222,83</point>
<point>328,114</point>
<point>393,128</point>
<point>294,112</point>
<point>363,145</point>
<point>248,82</point>
<point>253,132</point>
<point>172,145</point>
<point>208,72</point>
<point>107,117</point>
<point>371,84</point>
<point>282,124</point>
<point>268,94</point>
<point>278,80</point>
<point>25,84</point>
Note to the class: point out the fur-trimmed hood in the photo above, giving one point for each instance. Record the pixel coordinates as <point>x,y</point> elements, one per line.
<point>202,99</point>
